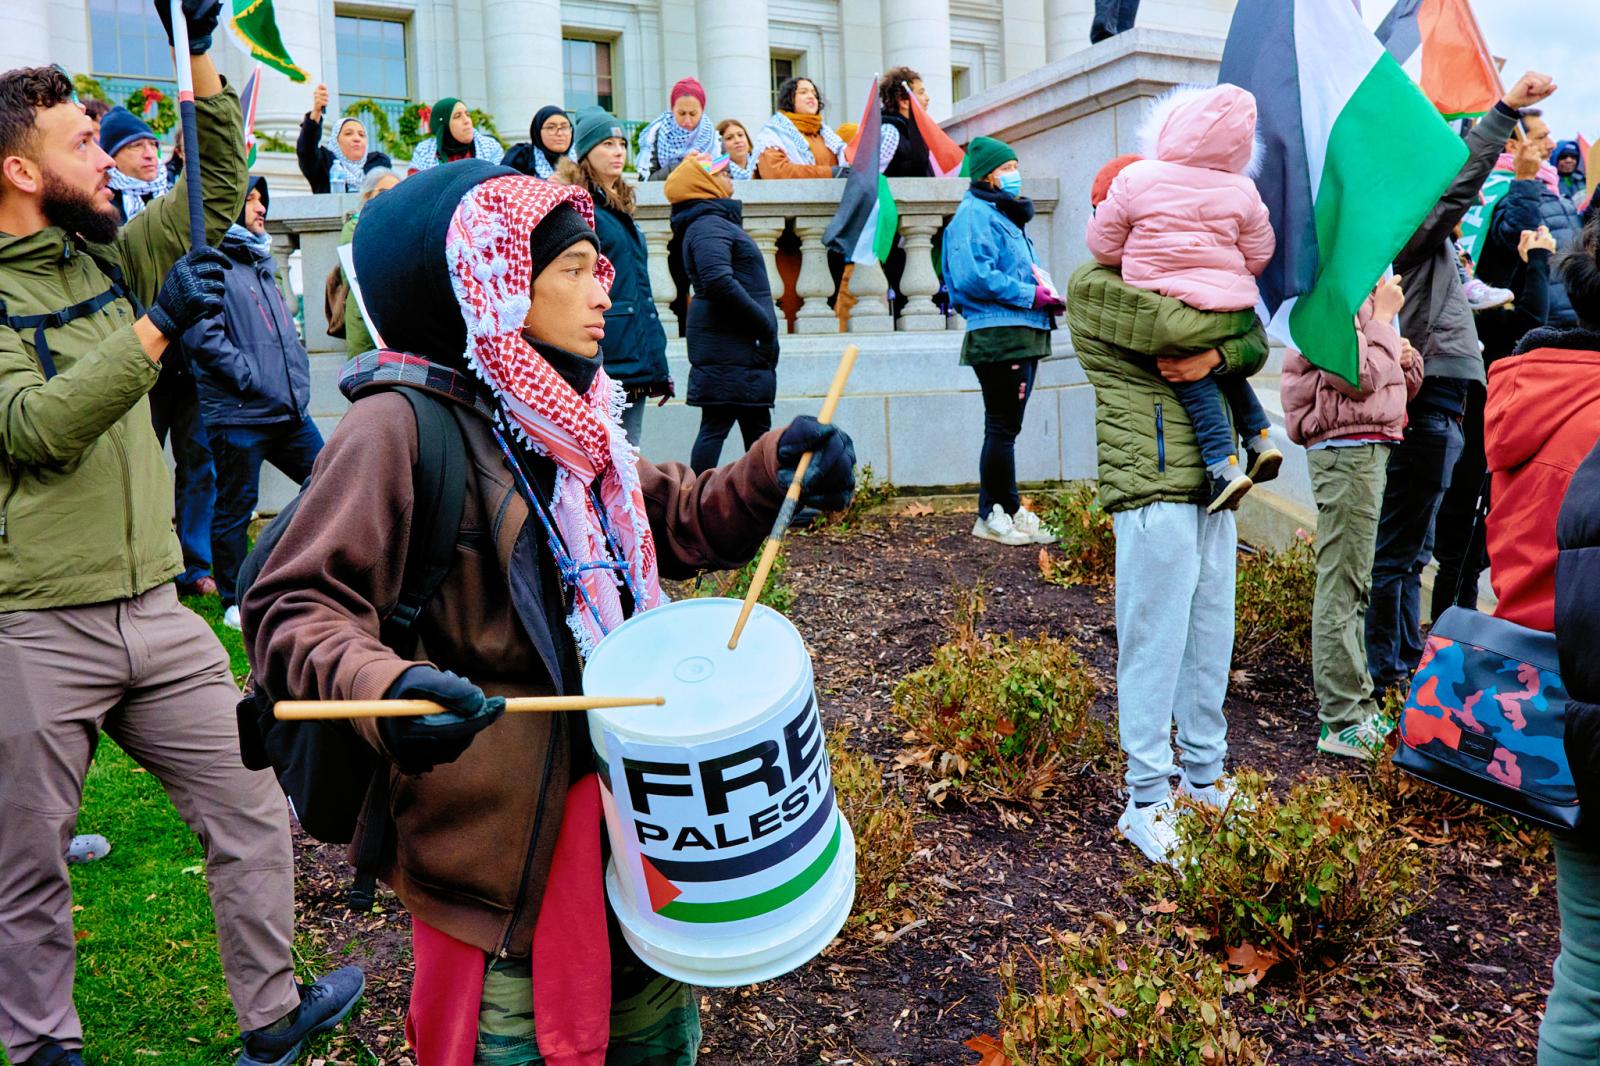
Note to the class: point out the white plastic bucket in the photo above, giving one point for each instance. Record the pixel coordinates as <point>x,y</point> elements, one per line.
<point>730,861</point>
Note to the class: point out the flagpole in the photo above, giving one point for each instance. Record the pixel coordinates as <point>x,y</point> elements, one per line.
<point>191,138</point>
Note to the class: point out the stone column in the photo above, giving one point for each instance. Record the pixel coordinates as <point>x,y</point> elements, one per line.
<point>26,40</point>
<point>1066,27</point>
<point>871,290</point>
<point>916,34</point>
<point>920,282</point>
<point>765,232</point>
<point>657,235</point>
<point>522,51</point>
<point>735,58</point>
<point>816,283</point>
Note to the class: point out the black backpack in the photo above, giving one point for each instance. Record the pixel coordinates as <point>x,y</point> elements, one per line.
<point>333,778</point>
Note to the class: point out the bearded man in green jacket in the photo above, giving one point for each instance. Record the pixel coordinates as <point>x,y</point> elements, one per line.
<point>1175,563</point>
<point>92,636</point>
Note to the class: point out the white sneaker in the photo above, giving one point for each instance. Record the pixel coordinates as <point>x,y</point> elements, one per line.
<point>999,528</point>
<point>230,617</point>
<point>1219,794</point>
<point>1481,296</point>
<point>1028,522</point>
<point>1151,829</point>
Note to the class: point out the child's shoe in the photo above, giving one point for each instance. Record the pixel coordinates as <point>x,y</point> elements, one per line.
<point>999,528</point>
<point>1226,488</point>
<point>1481,296</point>
<point>1262,459</point>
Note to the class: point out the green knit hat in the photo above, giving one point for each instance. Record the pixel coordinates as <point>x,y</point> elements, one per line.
<point>592,125</point>
<point>985,155</point>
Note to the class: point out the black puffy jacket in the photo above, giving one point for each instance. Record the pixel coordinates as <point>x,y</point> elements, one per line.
<point>733,325</point>
<point>1526,206</point>
<point>635,346</point>
<point>249,365</point>
<point>1578,632</point>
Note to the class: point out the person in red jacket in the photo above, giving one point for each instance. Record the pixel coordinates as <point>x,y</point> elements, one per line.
<point>1541,419</point>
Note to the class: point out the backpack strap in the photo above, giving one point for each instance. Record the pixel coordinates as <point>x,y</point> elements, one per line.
<point>81,309</point>
<point>439,481</point>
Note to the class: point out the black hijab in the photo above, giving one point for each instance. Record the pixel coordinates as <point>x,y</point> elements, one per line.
<point>536,133</point>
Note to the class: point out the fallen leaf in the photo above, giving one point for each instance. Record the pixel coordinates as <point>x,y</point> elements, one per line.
<point>993,1052</point>
<point>1248,964</point>
<point>1163,906</point>
<point>917,510</point>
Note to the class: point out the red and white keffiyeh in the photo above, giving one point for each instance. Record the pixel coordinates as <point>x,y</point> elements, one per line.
<point>489,259</point>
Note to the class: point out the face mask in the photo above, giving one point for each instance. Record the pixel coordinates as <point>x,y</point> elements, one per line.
<point>1011,183</point>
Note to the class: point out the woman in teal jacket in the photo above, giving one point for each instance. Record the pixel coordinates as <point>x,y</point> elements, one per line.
<point>994,282</point>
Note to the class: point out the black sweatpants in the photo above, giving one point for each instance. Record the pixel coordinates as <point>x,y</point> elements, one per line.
<point>1006,387</point>
<point>715,422</point>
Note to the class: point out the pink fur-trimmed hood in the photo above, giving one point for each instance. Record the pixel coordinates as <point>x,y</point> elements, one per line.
<point>1213,127</point>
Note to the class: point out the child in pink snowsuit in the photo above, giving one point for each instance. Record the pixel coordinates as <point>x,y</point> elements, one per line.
<point>1186,221</point>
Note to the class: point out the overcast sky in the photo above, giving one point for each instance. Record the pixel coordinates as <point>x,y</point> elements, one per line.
<point>1557,37</point>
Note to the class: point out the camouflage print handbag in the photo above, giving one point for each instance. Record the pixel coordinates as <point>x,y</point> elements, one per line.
<point>1486,718</point>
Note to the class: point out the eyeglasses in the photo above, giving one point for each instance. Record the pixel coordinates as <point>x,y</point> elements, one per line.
<point>556,127</point>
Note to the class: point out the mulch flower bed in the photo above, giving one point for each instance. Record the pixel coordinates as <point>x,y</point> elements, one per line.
<point>873,603</point>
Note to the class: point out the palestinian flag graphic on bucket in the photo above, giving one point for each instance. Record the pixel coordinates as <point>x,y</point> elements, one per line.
<point>1335,111</point>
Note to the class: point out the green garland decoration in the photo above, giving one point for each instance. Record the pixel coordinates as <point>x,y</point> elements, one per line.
<point>89,88</point>
<point>410,133</point>
<point>166,115</point>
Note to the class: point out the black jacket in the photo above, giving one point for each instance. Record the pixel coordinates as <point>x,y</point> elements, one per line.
<point>1526,206</point>
<point>315,160</point>
<point>249,365</point>
<point>1578,631</point>
<point>635,346</point>
<point>911,154</point>
<point>733,325</point>
<point>1500,328</point>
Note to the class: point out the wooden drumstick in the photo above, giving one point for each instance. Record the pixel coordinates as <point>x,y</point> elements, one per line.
<point>791,499</point>
<point>306,710</point>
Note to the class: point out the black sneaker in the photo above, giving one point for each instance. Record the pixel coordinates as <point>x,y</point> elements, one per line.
<point>54,1055</point>
<point>1225,492</point>
<point>323,1005</point>
<point>1262,461</point>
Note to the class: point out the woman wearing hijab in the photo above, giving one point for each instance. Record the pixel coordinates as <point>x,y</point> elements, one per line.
<point>549,142</point>
<point>489,288</point>
<point>681,129</point>
<point>795,142</point>
<point>453,138</point>
<point>339,162</point>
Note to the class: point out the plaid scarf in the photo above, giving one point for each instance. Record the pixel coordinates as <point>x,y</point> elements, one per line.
<point>670,142</point>
<point>135,193</point>
<point>487,250</point>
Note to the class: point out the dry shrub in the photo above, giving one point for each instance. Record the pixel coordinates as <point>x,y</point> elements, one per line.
<point>1272,604</point>
<point>1106,998</point>
<point>871,495</point>
<point>777,593</point>
<point>1087,551</point>
<point>884,829</point>
<point>1309,880</point>
<point>1005,716</point>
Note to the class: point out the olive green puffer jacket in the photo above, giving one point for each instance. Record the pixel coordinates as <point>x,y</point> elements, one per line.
<point>1146,447</point>
<point>85,497</point>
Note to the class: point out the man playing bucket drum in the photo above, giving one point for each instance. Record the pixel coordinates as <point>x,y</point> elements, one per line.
<point>489,289</point>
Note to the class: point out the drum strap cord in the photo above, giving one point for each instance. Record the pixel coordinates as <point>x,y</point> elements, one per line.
<point>570,569</point>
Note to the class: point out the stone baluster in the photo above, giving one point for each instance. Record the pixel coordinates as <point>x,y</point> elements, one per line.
<point>816,283</point>
<point>920,283</point>
<point>871,290</point>
<point>765,231</point>
<point>657,235</point>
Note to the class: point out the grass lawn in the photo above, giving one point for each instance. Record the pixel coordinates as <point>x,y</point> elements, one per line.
<point>149,982</point>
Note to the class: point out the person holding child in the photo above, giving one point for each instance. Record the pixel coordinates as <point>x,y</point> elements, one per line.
<point>1187,222</point>
<point>1348,431</point>
<point>1176,553</point>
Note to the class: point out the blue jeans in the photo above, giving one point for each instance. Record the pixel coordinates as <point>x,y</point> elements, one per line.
<point>1209,402</point>
<point>175,411</point>
<point>1419,473</point>
<point>240,450</point>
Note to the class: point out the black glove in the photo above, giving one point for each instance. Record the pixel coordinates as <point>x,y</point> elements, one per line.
<point>830,480</point>
<point>841,172</point>
<point>417,745</point>
<point>199,15</point>
<point>193,290</point>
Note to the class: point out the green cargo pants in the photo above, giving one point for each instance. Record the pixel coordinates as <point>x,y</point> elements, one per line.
<point>655,1021</point>
<point>1347,483</point>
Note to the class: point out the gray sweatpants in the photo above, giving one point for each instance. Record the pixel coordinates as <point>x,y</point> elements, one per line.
<point>152,675</point>
<point>1175,573</point>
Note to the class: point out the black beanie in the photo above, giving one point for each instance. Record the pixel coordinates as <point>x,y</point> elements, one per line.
<point>556,232</point>
<point>401,265</point>
<point>257,181</point>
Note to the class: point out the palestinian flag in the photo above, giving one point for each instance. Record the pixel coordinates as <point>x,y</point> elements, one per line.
<point>1335,111</point>
<point>867,220</point>
<point>944,154</point>
<point>1440,42</point>
<point>248,99</point>
<point>255,26</point>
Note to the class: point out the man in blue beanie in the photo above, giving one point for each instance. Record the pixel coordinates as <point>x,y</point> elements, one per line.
<point>138,177</point>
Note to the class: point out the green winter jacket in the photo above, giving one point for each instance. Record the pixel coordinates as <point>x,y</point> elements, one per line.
<point>357,337</point>
<point>85,497</point>
<point>1146,447</point>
